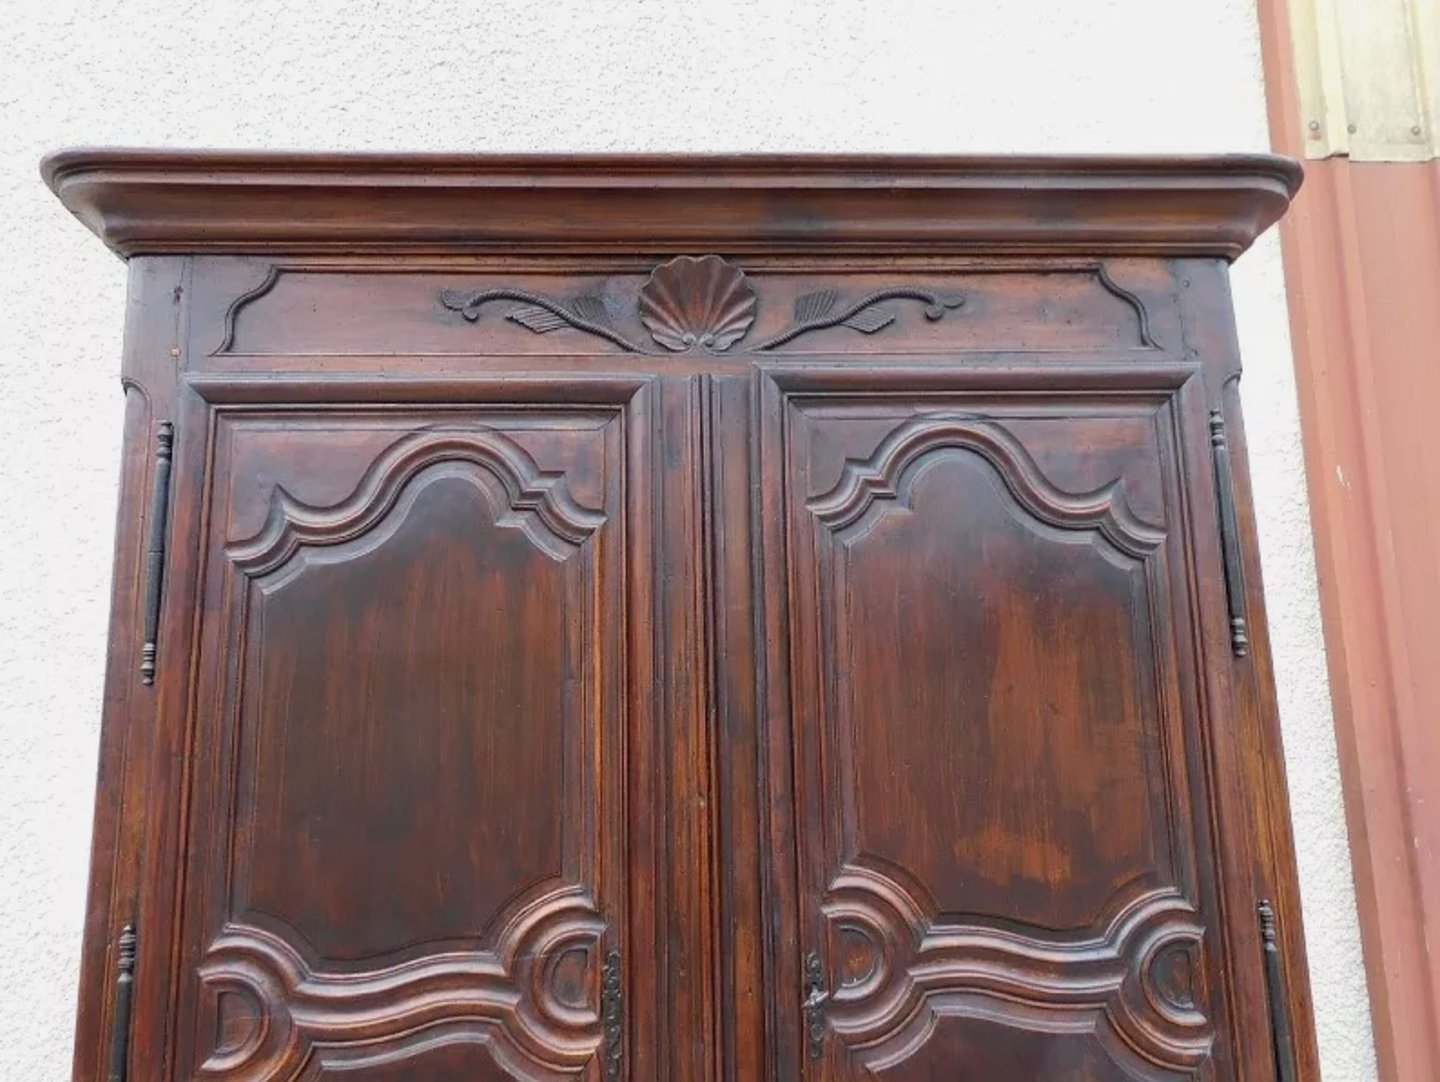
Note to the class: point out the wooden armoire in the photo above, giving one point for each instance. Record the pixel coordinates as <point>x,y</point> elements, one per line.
<point>686,620</point>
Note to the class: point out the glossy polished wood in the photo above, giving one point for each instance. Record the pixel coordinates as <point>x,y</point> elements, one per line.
<point>612,658</point>
<point>144,201</point>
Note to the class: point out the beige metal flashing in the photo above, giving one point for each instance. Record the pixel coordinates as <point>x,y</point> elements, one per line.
<point>1369,78</point>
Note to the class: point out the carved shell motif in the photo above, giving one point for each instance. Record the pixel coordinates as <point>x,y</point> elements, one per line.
<point>691,302</point>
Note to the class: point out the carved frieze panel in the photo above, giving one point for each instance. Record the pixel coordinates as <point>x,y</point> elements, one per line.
<point>707,305</point>
<point>693,307</point>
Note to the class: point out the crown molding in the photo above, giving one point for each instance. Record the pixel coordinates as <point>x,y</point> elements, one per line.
<point>150,202</point>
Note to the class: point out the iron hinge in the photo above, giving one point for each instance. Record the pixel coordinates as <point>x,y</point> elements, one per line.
<point>155,551</point>
<point>124,994</point>
<point>1230,550</point>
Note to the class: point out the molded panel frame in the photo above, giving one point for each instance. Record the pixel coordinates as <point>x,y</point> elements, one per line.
<point>1221,825</point>
<point>626,920</point>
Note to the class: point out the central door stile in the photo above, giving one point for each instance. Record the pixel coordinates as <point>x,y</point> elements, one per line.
<point>714,987</point>
<point>710,1065</point>
<point>688,985</point>
<point>776,753</point>
<point>739,808</point>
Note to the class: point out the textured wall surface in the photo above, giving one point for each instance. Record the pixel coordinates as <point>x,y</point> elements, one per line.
<point>966,75</point>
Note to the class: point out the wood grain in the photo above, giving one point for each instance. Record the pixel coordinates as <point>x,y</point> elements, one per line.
<point>154,201</point>
<point>837,684</point>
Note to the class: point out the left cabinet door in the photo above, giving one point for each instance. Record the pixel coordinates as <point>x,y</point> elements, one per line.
<point>402,846</point>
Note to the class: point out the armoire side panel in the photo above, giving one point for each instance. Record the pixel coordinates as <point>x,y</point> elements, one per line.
<point>124,784</point>
<point>407,841</point>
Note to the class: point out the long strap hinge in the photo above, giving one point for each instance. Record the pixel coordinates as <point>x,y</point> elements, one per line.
<point>124,993</point>
<point>1230,550</point>
<point>1280,1033</point>
<point>155,551</point>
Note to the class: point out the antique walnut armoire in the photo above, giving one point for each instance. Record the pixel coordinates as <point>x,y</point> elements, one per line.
<point>686,619</point>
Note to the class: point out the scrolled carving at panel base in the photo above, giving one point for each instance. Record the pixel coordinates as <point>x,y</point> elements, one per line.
<point>565,978</point>
<point>239,1025</point>
<point>862,958</point>
<point>1117,983</point>
<point>272,1011</point>
<point>1170,978</point>
<point>252,1030</point>
<point>559,967</point>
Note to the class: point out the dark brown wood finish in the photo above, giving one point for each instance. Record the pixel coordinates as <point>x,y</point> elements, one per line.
<point>713,619</point>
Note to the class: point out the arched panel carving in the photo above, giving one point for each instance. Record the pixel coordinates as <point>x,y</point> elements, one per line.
<point>415,859</point>
<point>950,528</point>
<point>537,502</point>
<point>889,475</point>
<point>1000,854</point>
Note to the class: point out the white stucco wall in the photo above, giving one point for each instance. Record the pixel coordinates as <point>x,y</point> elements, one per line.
<point>967,75</point>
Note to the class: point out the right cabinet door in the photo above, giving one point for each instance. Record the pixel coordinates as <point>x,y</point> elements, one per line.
<point>1002,630</point>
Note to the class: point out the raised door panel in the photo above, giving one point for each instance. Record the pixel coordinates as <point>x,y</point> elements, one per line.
<point>407,842</point>
<point>1000,809</point>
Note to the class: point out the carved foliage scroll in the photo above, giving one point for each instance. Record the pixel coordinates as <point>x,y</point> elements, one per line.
<point>704,304</point>
<point>695,307</point>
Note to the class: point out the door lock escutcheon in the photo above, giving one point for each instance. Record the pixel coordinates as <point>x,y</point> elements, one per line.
<point>816,999</point>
